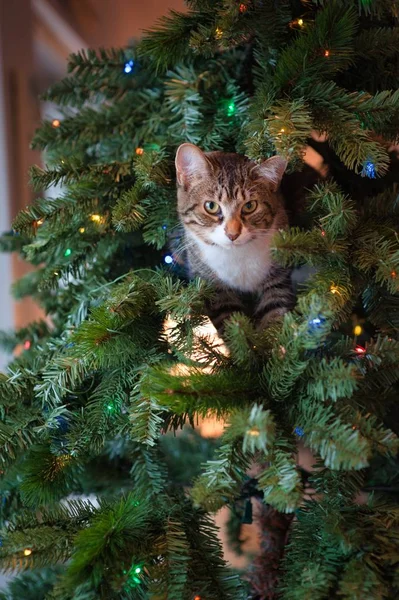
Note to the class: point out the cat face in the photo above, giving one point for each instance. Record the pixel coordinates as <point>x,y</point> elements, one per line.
<point>225,199</point>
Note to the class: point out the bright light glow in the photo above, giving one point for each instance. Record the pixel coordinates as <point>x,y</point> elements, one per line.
<point>55,122</point>
<point>357,330</point>
<point>95,218</point>
<point>68,252</point>
<point>168,259</point>
<point>82,229</point>
<point>27,552</point>
<point>254,432</point>
<point>128,68</point>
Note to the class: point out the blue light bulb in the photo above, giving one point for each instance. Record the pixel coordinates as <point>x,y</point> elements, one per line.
<point>168,259</point>
<point>299,431</point>
<point>315,321</point>
<point>369,169</point>
<point>128,68</point>
<point>164,227</point>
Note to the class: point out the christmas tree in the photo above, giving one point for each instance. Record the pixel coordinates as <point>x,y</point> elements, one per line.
<point>99,498</point>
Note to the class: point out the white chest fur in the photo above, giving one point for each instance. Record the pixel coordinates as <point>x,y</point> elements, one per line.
<point>240,267</point>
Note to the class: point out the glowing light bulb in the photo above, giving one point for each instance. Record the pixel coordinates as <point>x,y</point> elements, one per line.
<point>326,53</point>
<point>218,33</point>
<point>323,233</point>
<point>334,290</point>
<point>56,123</point>
<point>137,570</point>
<point>300,22</point>
<point>39,222</point>
<point>254,432</point>
<point>357,330</point>
<point>168,259</point>
<point>360,350</point>
<point>393,274</point>
<point>282,130</point>
<point>128,68</point>
<point>139,151</point>
<point>82,229</point>
<point>68,252</point>
<point>242,9</point>
<point>95,218</point>
<point>27,552</point>
<point>27,344</point>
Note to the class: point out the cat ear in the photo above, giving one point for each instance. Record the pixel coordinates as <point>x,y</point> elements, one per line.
<point>190,161</point>
<point>273,170</point>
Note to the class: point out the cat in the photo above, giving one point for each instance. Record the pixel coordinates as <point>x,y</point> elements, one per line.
<point>229,208</point>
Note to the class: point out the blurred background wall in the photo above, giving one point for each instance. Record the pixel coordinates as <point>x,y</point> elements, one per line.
<point>36,37</point>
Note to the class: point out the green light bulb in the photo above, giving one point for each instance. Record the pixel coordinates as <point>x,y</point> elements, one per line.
<point>137,570</point>
<point>231,109</point>
<point>68,252</point>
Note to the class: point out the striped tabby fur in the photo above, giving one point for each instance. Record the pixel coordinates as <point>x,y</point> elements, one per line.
<point>229,208</point>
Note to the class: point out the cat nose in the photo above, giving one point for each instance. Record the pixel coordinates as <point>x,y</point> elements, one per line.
<point>232,236</point>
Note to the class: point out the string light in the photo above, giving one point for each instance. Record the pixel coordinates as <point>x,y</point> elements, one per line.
<point>360,350</point>
<point>137,570</point>
<point>95,218</point>
<point>55,123</point>
<point>139,151</point>
<point>323,233</point>
<point>68,252</point>
<point>369,170</point>
<point>218,33</point>
<point>357,330</point>
<point>27,552</point>
<point>82,229</point>
<point>300,22</point>
<point>27,344</point>
<point>282,130</point>
<point>168,259</point>
<point>128,68</point>
<point>334,290</point>
<point>164,227</point>
<point>231,108</point>
<point>242,8</point>
<point>197,598</point>
<point>299,431</point>
<point>393,274</point>
<point>254,432</point>
<point>39,222</point>
<point>326,53</point>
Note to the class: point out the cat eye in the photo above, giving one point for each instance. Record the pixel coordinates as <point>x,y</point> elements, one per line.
<point>249,207</point>
<point>213,208</point>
